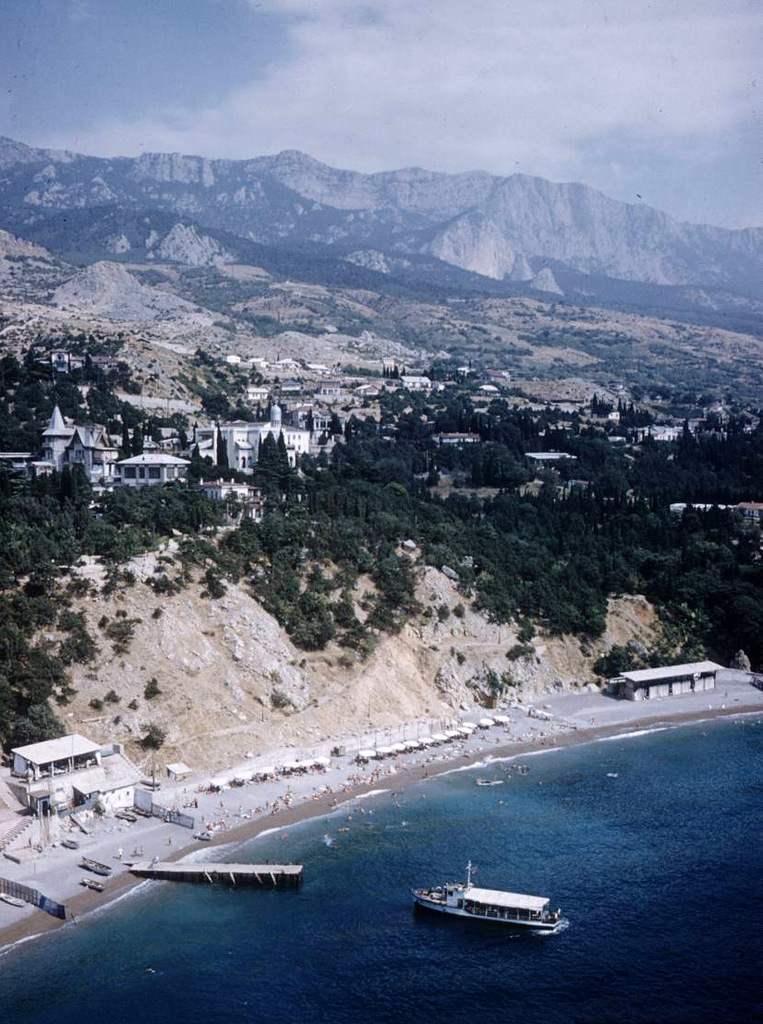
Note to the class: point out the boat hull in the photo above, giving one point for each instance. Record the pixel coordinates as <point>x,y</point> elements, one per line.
<point>444,910</point>
<point>96,867</point>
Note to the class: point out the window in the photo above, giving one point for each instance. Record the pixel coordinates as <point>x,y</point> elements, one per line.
<point>128,472</point>
<point>154,473</point>
<point>141,473</point>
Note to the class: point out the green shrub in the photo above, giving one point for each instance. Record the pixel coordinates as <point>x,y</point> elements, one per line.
<point>151,689</point>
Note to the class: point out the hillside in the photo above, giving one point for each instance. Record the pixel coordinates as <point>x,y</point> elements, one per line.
<point>232,681</point>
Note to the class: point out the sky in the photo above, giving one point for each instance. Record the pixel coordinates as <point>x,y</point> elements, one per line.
<point>651,101</point>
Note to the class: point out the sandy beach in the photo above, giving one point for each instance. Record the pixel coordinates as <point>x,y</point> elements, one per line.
<point>237,814</point>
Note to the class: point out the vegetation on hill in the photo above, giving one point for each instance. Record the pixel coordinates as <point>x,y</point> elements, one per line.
<point>329,560</point>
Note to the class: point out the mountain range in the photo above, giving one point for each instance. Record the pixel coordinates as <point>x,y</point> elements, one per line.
<point>478,229</point>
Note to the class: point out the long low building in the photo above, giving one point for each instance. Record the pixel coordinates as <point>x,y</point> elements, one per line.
<point>669,681</point>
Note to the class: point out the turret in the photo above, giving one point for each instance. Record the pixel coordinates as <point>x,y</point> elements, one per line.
<point>275,416</point>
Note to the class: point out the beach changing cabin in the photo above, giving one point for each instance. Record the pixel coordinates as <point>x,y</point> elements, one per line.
<point>670,681</point>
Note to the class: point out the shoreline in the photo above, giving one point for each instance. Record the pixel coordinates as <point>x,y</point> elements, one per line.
<point>17,934</point>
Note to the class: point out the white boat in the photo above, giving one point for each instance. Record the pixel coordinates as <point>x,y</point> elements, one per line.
<point>12,901</point>
<point>510,908</point>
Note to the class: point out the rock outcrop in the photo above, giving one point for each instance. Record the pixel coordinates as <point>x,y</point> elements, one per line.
<point>107,289</point>
<point>544,281</point>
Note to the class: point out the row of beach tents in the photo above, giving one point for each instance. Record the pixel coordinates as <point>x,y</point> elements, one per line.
<point>461,732</point>
<point>261,773</point>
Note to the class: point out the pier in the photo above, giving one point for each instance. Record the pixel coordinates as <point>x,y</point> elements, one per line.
<point>263,876</point>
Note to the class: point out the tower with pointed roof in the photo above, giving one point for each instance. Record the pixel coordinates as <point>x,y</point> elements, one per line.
<point>55,439</point>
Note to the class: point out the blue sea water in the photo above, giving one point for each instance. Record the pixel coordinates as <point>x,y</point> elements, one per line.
<point>650,844</point>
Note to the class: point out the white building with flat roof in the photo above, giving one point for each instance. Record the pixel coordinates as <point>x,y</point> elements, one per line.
<point>151,468</point>
<point>62,774</point>
<point>668,681</point>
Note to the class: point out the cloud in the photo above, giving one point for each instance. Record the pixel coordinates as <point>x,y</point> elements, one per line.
<point>504,85</point>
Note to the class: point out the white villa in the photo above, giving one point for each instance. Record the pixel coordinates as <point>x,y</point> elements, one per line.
<point>67,444</point>
<point>150,468</point>
<point>242,440</point>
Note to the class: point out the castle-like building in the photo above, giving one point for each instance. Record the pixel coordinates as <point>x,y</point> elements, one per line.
<point>76,445</point>
<point>242,440</point>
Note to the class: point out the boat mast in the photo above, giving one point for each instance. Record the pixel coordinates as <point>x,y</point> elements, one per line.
<point>468,874</point>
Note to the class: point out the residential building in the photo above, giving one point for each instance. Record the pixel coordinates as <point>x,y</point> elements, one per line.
<point>64,362</point>
<point>151,468</point>
<point>66,444</point>
<point>236,496</point>
<point>257,393</point>
<point>328,390</point>
<point>414,383</point>
<point>457,437</point>
<point>751,510</point>
<point>549,456</point>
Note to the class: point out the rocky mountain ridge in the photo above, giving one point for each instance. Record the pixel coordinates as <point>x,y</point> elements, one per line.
<point>492,226</point>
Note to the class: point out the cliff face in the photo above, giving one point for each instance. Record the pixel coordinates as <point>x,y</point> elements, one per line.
<point>474,221</point>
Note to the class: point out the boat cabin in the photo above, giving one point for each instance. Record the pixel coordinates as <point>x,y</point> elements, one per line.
<point>493,903</point>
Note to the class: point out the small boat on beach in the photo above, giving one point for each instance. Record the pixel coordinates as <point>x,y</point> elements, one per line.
<point>465,900</point>
<point>12,901</point>
<point>92,883</point>
<point>203,836</point>
<point>70,844</point>
<point>95,866</point>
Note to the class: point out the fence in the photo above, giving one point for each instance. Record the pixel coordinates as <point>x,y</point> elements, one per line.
<point>173,817</point>
<point>30,895</point>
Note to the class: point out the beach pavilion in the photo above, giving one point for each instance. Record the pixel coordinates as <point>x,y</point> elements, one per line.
<point>668,681</point>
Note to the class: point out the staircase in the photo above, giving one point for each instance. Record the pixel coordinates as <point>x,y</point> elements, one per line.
<point>16,830</point>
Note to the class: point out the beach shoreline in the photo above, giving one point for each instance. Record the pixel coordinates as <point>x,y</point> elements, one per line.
<point>81,904</point>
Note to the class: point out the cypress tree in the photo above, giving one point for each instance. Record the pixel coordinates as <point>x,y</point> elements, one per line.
<point>125,450</point>
<point>222,450</point>
<point>137,440</point>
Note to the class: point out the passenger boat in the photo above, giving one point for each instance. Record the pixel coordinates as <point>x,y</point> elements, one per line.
<point>92,883</point>
<point>95,866</point>
<point>510,908</point>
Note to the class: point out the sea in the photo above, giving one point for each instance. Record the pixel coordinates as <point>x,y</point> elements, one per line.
<point>650,844</point>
